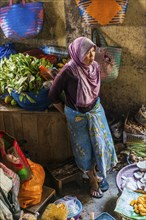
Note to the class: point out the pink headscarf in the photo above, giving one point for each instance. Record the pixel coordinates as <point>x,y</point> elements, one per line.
<point>88,76</point>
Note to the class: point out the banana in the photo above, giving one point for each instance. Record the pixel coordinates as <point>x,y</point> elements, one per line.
<point>8,99</point>
<point>60,64</point>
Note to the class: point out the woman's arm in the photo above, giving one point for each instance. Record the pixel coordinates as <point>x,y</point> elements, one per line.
<point>55,92</point>
<point>60,107</point>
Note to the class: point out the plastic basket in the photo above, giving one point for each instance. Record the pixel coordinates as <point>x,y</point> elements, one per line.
<point>41,100</point>
<point>105,216</point>
<point>126,171</point>
<point>127,137</point>
<point>76,201</point>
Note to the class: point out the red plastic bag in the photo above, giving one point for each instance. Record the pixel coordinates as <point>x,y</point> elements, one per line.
<point>13,157</point>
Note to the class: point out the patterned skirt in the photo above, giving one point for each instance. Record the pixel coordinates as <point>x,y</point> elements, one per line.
<point>91,139</point>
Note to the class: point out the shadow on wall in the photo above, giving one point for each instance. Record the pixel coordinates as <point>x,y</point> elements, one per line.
<point>135,17</point>
<point>136,10</point>
<point>54,22</point>
<point>128,91</point>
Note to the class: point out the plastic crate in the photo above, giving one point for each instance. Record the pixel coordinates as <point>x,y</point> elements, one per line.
<point>105,216</point>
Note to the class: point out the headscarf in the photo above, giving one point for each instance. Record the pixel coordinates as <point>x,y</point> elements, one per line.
<point>88,75</point>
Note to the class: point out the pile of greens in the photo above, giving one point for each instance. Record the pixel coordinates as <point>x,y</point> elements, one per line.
<point>20,73</point>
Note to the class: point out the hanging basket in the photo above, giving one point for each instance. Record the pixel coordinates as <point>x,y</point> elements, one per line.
<point>107,12</point>
<point>23,20</point>
<point>108,57</point>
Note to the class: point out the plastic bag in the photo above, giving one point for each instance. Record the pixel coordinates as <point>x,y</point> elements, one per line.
<point>31,191</point>
<point>6,50</point>
<point>13,157</point>
<point>55,211</point>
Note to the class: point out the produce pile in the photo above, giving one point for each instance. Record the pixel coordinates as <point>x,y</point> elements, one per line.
<point>20,73</point>
<point>134,136</point>
<point>55,211</point>
<point>139,205</point>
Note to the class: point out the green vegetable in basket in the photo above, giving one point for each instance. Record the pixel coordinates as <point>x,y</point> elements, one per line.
<point>20,73</point>
<point>138,148</point>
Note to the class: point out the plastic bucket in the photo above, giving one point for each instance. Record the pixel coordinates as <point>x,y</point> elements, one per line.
<point>41,100</point>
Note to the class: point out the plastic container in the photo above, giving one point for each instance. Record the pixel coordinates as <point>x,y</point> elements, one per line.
<point>105,216</point>
<point>126,171</point>
<point>41,100</point>
<point>60,52</point>
<point>69,199</point>
<point>128,137</point>
<point>142,165</point>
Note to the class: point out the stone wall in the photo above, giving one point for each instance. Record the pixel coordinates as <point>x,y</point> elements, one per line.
<point>128,91</point>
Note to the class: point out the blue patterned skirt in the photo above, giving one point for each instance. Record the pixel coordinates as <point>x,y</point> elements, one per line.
<point>91,139</point>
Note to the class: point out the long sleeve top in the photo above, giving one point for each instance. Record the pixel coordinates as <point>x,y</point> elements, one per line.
<point>68,83</point>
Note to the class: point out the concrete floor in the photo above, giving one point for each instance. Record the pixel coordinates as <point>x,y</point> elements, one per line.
<point>105,204</point>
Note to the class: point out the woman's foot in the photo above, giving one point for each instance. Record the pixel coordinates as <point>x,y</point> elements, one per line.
<point>96,193</point>
<point>94,187</point>
<point>104,186</point>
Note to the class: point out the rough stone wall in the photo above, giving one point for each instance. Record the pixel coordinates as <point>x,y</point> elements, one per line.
<point>128,91</point>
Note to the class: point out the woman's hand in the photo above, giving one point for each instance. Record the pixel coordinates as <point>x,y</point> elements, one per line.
<point>60,107</point>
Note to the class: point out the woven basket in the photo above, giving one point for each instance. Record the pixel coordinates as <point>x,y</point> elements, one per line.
<point>109,68</point>
<point>133,127</point>
<point>89,15</point>
<point>23,20</point>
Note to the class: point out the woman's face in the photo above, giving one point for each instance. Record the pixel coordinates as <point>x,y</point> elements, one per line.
<point>90,56</point>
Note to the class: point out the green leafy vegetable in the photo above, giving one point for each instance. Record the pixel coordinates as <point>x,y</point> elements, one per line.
<point>20,73</point>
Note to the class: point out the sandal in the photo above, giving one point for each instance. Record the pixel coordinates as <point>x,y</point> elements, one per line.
<point>96,193</point>
<point>104,186</point>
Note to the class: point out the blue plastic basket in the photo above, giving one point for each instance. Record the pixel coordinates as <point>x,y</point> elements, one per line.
<point>76,216</point>
<point>41,100</point>
<point>105,216</point>
<point>76,201</point>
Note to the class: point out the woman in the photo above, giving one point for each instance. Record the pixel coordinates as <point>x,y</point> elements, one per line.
<point>91,139</point>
